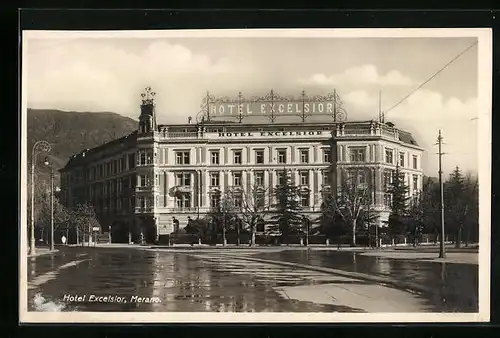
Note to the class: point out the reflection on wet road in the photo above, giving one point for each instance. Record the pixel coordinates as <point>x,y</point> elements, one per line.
<point>449,287</point>
<point>182,283</point>
<point>196,282</point>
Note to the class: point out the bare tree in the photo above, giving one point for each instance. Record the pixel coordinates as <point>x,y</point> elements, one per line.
<point>253,208</point>
<point>352,196</point>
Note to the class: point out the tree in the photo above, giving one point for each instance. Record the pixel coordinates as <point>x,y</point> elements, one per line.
<point>398,191</point>
<point>460,197</point>
<point>286,216</point>
<point>330,221</point>
<point>83,219</point>
<point>61,216</point>
<point>352,196</point>
<point>254,209</point>
<point>223,214</point>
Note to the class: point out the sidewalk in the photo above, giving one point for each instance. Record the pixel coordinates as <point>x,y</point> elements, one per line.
<point>42,252</point>
<point>451,257</point>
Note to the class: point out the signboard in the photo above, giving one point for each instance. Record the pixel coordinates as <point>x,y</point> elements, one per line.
<point>273,106</point>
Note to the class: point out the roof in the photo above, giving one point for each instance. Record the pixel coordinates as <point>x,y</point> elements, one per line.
<point>82,157</point>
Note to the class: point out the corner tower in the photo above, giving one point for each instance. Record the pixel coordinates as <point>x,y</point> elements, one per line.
<point>147,119</point>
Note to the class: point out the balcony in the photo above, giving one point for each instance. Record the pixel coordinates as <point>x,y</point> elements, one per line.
<point>183,209</point>
<point>144,210</point>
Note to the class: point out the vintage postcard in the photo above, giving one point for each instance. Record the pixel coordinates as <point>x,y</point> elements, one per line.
<point>310,175</point>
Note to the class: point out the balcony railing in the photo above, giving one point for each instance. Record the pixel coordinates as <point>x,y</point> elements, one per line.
<point>183,209</point>
<point>144,209</point>
<point>179,134</point>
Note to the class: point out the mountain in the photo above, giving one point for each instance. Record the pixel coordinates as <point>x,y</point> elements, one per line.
<point>72,132</point>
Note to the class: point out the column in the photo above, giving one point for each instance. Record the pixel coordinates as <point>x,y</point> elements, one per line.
<point>317,155</point>
<point>317,189</point>
<point>379,189</point>
<point>244,179</point>
<point>293,154</point>
<point>270,154</point>
<point>199,188</point>
<point>271,185</point>
<point>193,188</point>
<point>250,182</point>
<point>266,179</point>
<point>226,179</point>
<point>206,184</point>
<point>340,154</point>
<point>248,154</point>
<point>311,191</point>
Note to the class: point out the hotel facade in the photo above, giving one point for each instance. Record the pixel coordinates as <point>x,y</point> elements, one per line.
<point>141,182</point>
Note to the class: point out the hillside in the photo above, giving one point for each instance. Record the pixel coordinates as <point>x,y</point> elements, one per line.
<point>71,132</point>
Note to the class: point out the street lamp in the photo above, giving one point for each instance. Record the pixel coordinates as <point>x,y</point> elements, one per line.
<point>47,163</point>
<point>38,147</point>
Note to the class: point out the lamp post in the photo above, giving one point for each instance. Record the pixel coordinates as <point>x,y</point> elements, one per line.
<point>47,163</point>
<point>38,147</point>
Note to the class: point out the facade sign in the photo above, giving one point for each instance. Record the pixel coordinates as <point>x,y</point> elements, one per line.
<point>273,106</point>
<point>279,108</point>
<point>270,133</point>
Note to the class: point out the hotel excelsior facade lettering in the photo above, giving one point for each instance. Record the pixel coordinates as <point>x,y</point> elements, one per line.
<point>140,182</point>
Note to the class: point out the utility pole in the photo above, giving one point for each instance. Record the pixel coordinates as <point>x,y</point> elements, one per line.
<point>51,208</point>
<point>442,253</point>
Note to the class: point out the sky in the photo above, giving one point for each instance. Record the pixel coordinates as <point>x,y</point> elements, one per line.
<point>109,74</point>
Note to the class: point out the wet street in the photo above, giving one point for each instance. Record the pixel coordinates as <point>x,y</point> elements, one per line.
<point>222,281</point>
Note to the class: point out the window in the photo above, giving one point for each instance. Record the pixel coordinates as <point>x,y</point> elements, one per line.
<point>304,156</point>
<point>415,162</point>
<point>357,154</point>
<point>237,179</point>
<point>142,158</point>
<point>214,157</point>
<point>214,179</point>
<point>142,202</point>
<point>326,177</point>
<point>304,178</point>
<point>131,161</point>
<point>415,182</point>
<point>282,156</point>
<point>388,156</point>
<point>182,157</point>
<point>182,179</point>
<point>141,180</point>
<point>387,179</point>
<point>122,164</point>
<point>304,199</point>
<point>183,201</point>
<point>260,199</point>
<point>237,157</point>
<point>387,200</point>
<point>238,201</point>
<point>327,158</point>
<point>214,200</point>
<point>259,156</point>
<point>281,178</point>
<point>259,178</point>
<point>361,178</point>
<point>402,160</point>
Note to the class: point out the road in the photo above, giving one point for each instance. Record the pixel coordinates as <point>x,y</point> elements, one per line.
<point>244,281</point>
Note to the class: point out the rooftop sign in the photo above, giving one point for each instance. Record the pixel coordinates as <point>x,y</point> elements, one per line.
<point>272,106</point>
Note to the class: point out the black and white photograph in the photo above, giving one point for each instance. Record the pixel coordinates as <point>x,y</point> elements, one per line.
<point>255,175</point>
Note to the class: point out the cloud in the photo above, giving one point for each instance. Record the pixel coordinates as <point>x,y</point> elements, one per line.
<point>356,76</point>
<point>423,114</point>
<point>93,76</point>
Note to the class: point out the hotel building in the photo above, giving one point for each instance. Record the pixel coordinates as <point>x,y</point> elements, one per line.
<point>139,182</point>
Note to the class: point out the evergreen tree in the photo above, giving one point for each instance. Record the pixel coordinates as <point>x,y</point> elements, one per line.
<point>286,217</point>
<point>398,191</point>
<point>460,195</point>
